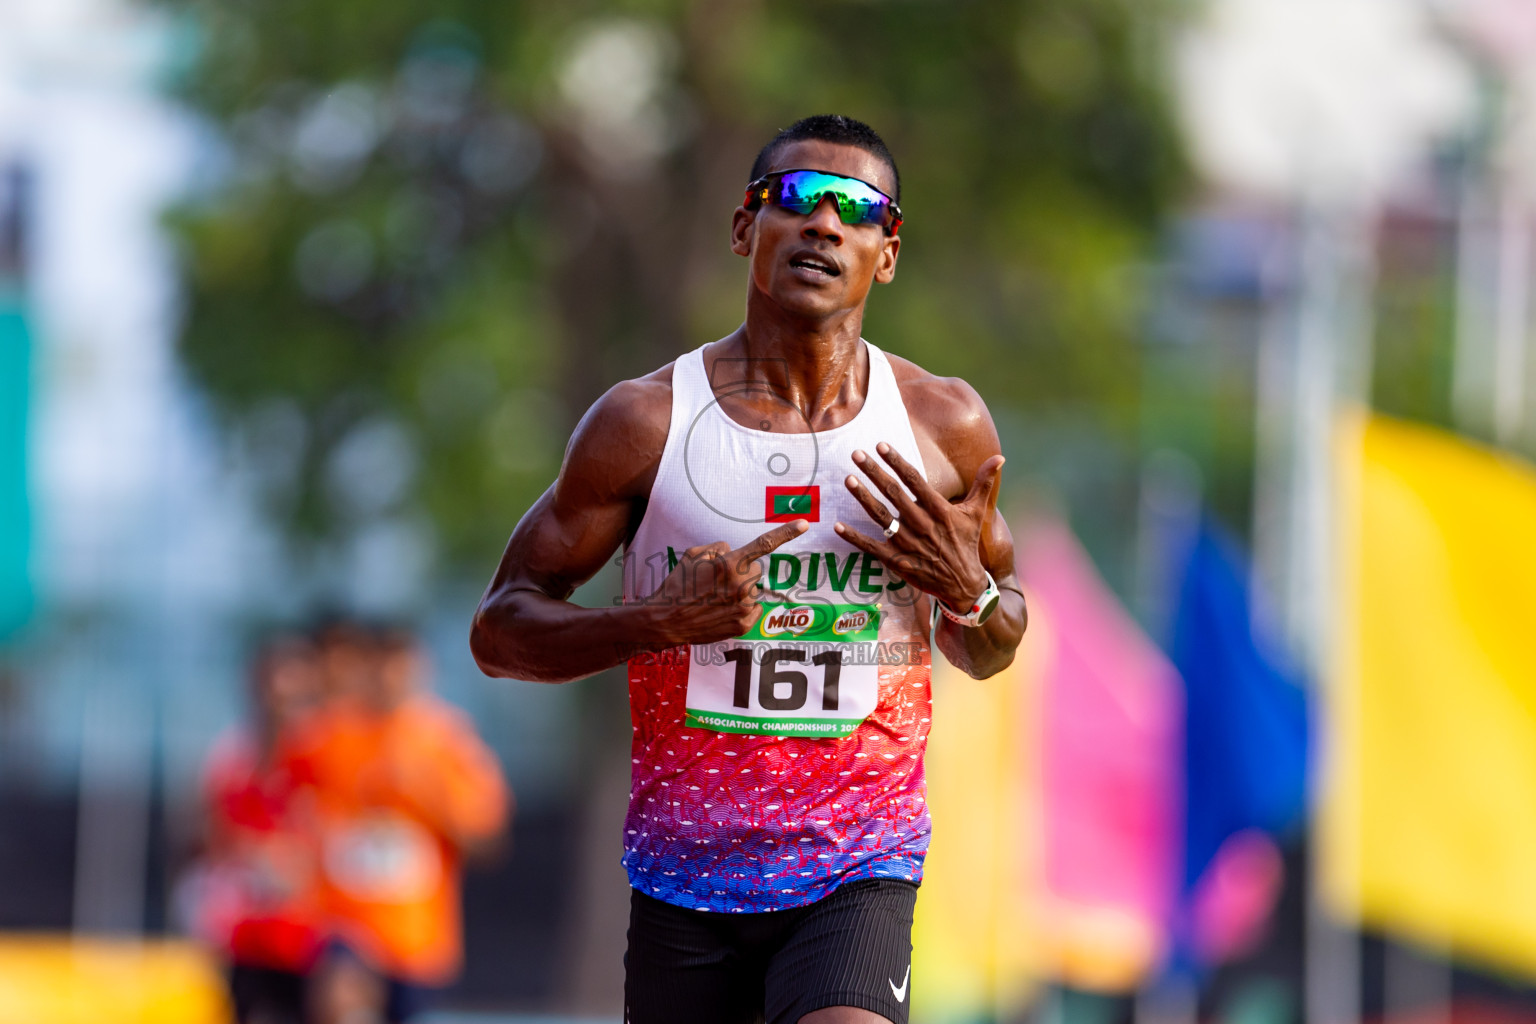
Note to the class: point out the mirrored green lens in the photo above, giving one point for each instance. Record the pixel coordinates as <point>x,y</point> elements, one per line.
<point>857,203</point>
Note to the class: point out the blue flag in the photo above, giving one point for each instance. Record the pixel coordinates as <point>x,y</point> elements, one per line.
<point>1246,747</point>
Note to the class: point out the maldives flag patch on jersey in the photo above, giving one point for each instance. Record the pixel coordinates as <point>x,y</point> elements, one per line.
<point>786,504</point>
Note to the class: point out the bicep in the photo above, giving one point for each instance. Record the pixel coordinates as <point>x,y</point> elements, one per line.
<point>576,525</point>
<point>997,555</point>
<point>561,543</point>
<point>978,443</point>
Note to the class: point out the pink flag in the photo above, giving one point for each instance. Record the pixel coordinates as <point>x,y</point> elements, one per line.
<point>1111,707</point>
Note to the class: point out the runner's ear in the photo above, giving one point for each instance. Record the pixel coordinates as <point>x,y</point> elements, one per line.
<point>741,231</point>
<point>885,270</point>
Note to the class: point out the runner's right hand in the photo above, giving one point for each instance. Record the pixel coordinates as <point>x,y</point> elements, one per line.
<point>711,595</point>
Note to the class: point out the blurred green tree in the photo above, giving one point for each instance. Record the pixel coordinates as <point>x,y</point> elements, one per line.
<point>441,227</point>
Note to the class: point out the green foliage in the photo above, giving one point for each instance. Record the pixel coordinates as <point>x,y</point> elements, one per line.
<point>464,219</point>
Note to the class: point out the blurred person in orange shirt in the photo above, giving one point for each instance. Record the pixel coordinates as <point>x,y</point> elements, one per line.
<point>258,898</point>
<point>403,790</point>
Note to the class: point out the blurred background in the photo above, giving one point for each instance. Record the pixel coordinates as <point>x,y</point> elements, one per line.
<point>300,300</point>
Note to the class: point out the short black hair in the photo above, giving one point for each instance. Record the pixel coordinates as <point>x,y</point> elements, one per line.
<point>844,131</point>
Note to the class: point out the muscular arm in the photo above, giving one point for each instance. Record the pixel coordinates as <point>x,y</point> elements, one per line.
<point>989,648</point>
<point>968,439</point>
<point>952,534</point>
<point>525,628</point>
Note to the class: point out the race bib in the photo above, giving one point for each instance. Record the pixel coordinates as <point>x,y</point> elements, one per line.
<point>806,669</point>
<point>384,858</point>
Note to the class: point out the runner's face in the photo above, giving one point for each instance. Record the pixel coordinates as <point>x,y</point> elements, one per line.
<point>785,246</point>
<point>288,686</point>
<point>346,668</point>
<point>400,673</point>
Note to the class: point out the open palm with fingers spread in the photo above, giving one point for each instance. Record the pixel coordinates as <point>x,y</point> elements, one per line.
<point>932,543</point>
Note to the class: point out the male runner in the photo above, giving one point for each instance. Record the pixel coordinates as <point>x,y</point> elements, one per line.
<point>401,790</point>
<point>260,902</point>
<point>779,677</point>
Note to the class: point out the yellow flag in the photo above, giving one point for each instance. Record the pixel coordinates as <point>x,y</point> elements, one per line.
<point>972,936</point>
<point>1429,817</point>
<point>63,979</point>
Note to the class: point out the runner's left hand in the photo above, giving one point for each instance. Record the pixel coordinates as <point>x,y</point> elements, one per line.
<point>937,546</point>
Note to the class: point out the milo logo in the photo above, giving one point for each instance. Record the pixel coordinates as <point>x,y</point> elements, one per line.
<point>839,623</point>
<point>793,621</point>
<point>850,622</point>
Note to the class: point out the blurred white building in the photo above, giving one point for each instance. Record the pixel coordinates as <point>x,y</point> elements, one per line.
<point>138,535</point>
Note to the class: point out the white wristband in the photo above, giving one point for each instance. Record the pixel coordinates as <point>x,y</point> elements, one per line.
<point>979,610</point>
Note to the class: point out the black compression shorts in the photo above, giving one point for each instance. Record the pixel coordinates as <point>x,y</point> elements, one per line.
<point>853,947</point>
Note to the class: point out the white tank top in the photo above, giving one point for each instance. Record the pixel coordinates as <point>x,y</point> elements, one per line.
<point>721,480</point>
<point>830,686</point>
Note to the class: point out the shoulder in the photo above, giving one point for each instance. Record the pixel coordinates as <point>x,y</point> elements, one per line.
<point>947,409</point>
<point>433,725</point>
<point>431,715</point>
<point>617,445</point>
<point>954,431</point>
<point>643,404</point>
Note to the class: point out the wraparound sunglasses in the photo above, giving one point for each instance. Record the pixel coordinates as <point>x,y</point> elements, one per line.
<point>801,191</point>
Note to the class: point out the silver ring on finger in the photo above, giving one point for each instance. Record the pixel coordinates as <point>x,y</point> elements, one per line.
<point>890,531</point>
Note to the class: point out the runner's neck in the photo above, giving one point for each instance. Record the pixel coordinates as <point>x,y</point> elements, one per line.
<point>824,376</point>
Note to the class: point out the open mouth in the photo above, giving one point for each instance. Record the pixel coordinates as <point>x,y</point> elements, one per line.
<point>815,264</point>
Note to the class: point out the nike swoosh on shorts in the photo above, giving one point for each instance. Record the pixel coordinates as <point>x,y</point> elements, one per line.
<point>901,993</point>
